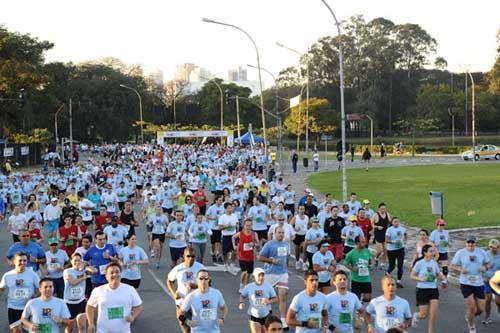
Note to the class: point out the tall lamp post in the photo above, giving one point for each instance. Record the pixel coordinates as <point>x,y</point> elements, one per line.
<point>307,90</point>
<point>140,109</point>
<point>342,111</point>
<point>221,102</point>
<point>280,130</point>
<point>371,132</point>
<point>473,121</point>
<point>206,20</point>
<point>61,108</point>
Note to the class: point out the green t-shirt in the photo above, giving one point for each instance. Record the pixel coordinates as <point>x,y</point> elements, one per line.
<point>361,259</point>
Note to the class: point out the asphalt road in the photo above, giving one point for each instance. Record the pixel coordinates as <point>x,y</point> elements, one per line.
<point>159,308</point>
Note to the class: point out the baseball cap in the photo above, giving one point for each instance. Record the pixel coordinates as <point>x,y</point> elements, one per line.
<point>353,218</point>
<point>366,201</point>
<point>307,190</point>
<point>440,222</point>
<point>314,219</point>
<point>494,243</point>
<point>53,199</point>
<point>471,238</point>
<point>325,243</point>
<point>258,271</point>
<point>53,240</point>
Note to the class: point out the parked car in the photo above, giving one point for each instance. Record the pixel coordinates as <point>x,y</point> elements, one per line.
<point>482,152</point>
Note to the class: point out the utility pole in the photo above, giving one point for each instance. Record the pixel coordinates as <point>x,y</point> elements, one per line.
<point>238,119</point>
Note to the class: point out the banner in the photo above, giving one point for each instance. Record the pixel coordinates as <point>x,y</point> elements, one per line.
<point>294,101</point>
<point>162,136</point>
<point>25,150</point>
<point>8,152</point>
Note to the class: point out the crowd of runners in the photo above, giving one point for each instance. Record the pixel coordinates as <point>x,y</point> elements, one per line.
<point>75,263</point>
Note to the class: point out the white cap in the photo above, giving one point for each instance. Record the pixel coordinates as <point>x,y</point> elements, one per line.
<point>53,199</point>
<point>258,271</point>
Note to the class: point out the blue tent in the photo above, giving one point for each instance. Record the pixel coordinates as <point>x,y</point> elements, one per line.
<point>249,139</point>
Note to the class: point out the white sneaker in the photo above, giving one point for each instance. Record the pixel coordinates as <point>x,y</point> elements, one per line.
<point>414,319</point>
<point>297,265</point>
<point>305,266</point>
<point>152,253</point>
<point>472,329</point>
<point>226,267</point>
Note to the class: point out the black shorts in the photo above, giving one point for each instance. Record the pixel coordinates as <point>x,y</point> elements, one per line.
<point>425,295</point>
<point>299,239</point>
<point>443,256</point>
<point>133,283</point>
<point>139,187</point>
<point>14,315</point>
<point>176,253</point>
<point>95,213</point>
<point>167,210</point>
<point>87,223</point>
<point>227,244</point>
<point>215,236</point>
<point>76,309</point>
<point>262,320</point>
<point>149,227</point>
<point>261,233</point>
<point>379,236</point>
<point>246,266</point>
<point>359,288</point>
<point>467,290</point>
<point>161,237</point>
<point>324,284</point>
<point>15,238</point>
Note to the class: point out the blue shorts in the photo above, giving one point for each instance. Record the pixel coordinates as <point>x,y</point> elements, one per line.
<point>53,226</point>
<point>488,290</point>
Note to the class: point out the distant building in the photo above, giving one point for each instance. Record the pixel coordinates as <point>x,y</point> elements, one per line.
<point>237,75</point>
<point>155,80</point>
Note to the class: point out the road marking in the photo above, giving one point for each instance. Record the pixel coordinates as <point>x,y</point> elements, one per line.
<point>162,286</point>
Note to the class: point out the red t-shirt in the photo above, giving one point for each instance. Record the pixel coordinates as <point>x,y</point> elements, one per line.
<point>100,222</point>
<point>366,226</point>
<point>68,245</point>
<point>35,234</point>
<point>200,199</point>
<point>246,247</point>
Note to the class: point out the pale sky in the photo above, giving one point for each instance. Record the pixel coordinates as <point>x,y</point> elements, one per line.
<point>163,33</point>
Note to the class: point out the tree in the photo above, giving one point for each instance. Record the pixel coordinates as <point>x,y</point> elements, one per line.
<point>322,119</point>
<point>494,74</point>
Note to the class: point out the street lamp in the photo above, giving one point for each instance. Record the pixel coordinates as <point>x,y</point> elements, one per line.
<point>307,90</point>
<point>342,111</point>
<point>221,101</point>
<point>280,131</point>
<point>140,109</point>
<point>371,132</point>
<point>473,121</point>
<point>206,20</point>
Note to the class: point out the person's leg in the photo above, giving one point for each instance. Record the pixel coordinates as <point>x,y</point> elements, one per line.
<point>487,307</point>
<point>392,261</point>
<point>433,314</point>
<point>470,310</point>
<point>400,258</point>
<point>282,292</point>
<point>202,247</point>
<point>255,327</point>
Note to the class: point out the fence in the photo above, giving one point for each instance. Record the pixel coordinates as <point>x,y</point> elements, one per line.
<point>24,154</point>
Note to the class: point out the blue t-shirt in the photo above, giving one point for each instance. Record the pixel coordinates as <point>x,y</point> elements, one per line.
<point>396,235</point>
<point>440,238</point>
<point>276,250</point>
<point>324,261</point>
<point>204,307</point>
<point>472,261</point>
<point>308,308</point>
<point>73,293</point>
<point>495,264</point>
<point>178,230</point>
<point>96,200</point>
<point>21,287</point>
<point>94,256</point>
<point>351,232</point>
<point>258,214</point>
<point>56,261</point>
<point>256,294</point>
<point>41,312</point>
<point>341,309</point>
<point>213,214</point>
<point>314,234</point>
<point>32,249</point>
<point>128,255</point>
<point>388,314</point>
<point>429,270</point>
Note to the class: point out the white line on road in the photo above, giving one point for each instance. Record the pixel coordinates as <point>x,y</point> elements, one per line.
<point>162,286</point>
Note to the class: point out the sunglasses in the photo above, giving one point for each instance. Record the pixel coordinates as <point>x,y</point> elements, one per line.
<point>190,256</point>
<point>23,236</point>
<point>470,242</point>
<point>204,278</point>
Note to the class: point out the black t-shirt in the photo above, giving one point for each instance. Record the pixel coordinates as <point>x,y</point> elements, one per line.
<point>334,232</point>
<point>310,210</point>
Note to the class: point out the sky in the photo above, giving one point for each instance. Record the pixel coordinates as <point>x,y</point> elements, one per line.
<point>164,33</point>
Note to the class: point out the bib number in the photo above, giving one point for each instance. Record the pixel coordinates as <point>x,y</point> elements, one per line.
<point>76,293</point>
<point>208,314</point>
<point>247,246</point>
<point>102,269</point>
<point>21,294</point>
<point>115,313</point>
<point>44,328</point>
<point>282,251</point>
<point>363,271</point>
<point>345,317</point>
<point>398,244</point>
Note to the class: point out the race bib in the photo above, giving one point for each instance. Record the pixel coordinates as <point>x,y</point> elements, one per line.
<point>208,314</point>
<point>44,328</point>
<point>260,302</point>
<point>76,292</point>
<point>69,242</point>
<point>115,313</point>
<point>345,318</point>
<point>179,237</point>
<point>201,236</point>
<point>363,270</point>
<point>230,228</point>
<point>282,251</point>
<point>431,278</point>
<point>390,323</point>
<point>21,294</point>
<point>259,219</point>
<point>53,266</point>
<point>398,244</point>
<point>102,269</point>
<point>247,246</point>
<point>350,242</point>
<point>472,279</point>
<point>443,243</point>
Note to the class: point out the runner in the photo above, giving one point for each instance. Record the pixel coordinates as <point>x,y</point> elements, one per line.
<point>494,258</point>
<point>16,222</point>
<point>275,255</point>
<point>204,305</point>
<point>68,236</point>
<point>213,214</point>
<point>359,261</point>
<point>259,213</point>
<point>99,256</point>
<point>159,222</point>
<point>184,275</point>
<point>115,233</point>
<point>441,240</point>
<point>389,310</point>
<point>333,230</point>
<point>471,262</point>
<point>260,296</point>
<point>127,218</point>
<point>423,240</point>
<point>300,223</point>
<point>35,253</point>
<point>131,258</point>
<point>247,241</point>
<point>307,312</point>
<point>313,238</point>
<point>380,222</point>
<point>349,234</point>
<point>75,279</point>
<point>21,284</point>
<point>396,237</point>
<point>45,313</point>
<point>365,224</point>
<point>324,264</point>
<point>57,261</point>
<point>342,305</point>
<point>198,233</point>
<point>118,304</point>
<point>176,232</point>
<point>228,224</point>
<point>273,324</point>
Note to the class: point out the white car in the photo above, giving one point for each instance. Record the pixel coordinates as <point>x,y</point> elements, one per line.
<point>483,152</point>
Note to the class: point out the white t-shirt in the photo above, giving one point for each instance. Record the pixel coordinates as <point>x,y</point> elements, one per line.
<point>288,229</point>
<point>301,225</point>
<point>230,221</point>
<point>16,223</point>
<point>114,305</point>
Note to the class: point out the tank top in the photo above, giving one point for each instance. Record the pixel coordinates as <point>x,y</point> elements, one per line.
<point>382,222</point>
<point>245,247</point>
<point>302,224</point>
<point>127,220</point>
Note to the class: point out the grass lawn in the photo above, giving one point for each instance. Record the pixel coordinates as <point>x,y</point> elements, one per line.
<point>471,192</point>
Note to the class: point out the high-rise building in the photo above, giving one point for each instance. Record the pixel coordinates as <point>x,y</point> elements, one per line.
<point>183,71</point>
<point>238,74</point>
<point>155,80</point>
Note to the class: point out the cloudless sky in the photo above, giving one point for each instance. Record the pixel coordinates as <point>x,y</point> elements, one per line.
<point>159,34</point>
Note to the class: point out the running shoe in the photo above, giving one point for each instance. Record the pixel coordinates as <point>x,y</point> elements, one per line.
<point>297,265</point>
<point>152,253</point>
<point>399,284</point>
<point>414,319</point>
<point>157,265</point>
<point>487,321</point>
<point>444,285</point>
